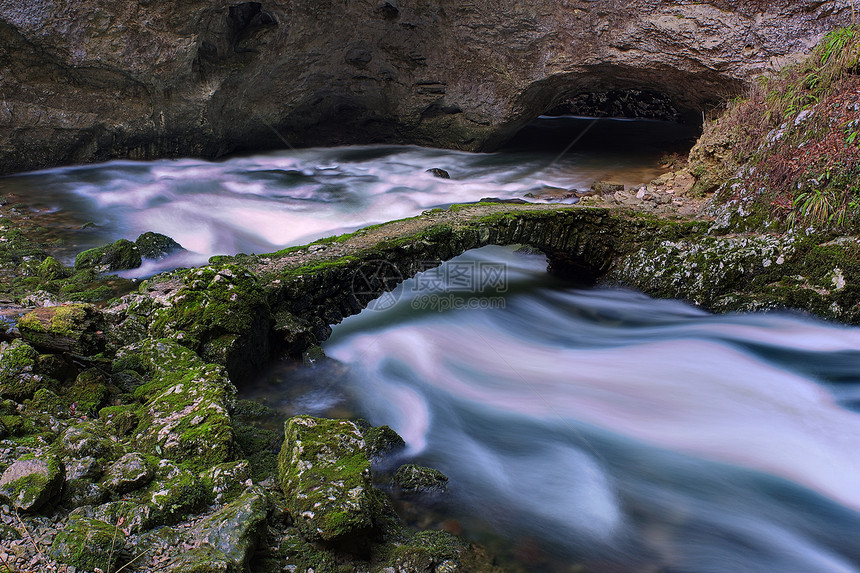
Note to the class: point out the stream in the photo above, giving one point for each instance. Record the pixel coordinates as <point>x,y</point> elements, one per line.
<point>596,427</point>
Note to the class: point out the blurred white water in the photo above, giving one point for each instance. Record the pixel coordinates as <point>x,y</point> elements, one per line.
<point>603,419</point>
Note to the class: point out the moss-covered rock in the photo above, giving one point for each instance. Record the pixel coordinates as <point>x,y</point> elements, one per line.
<point>156,246</point>
<point>120,255</point>
<point>88,544</point>
<point>236,529</point>
<point>130,472</point>
<point>203,559</point>
<point>81,487</point>
<point>222,313</point>
<point>228,479</point>
<point>89,392</point>
<point>415,479</point>
<point>170,499</point>
<point>381,440</point>
<point>325,475</point>
<point>185,417</point>
<point>76,328</point>
<point>31,484</point>
<point>18,379</point>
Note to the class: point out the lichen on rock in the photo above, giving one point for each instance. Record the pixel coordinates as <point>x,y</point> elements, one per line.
<point>325,475</point>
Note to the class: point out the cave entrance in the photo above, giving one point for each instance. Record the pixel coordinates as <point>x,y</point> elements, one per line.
<point>634,121</point>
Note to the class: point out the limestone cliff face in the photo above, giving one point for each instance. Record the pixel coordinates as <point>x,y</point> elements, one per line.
<point>99,79</point>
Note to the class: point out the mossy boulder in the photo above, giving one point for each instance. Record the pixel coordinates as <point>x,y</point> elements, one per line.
<point>381,440</point>
<point>419,480</point>
<point>120,255</point>
<point>130,472</point>
<point>18,379</point>
<point>81,487</point>
<point>203,559</point>
<point>88,544</point>
<point>221,312</point>
<point>185,417</point>
<point>156,246</point>
<point>228,479</point>
<point>169,499</point>
<point>76,328</point>
<point>89,392</point>
<point>32,483</point>
<point>325,474</point>
<point>236,529</point>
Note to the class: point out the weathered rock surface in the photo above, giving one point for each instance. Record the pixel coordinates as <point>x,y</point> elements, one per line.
<point>415,479</point>
<point>89,544</point>
<point>119,255</point>
<point>325,475</point>
<point>30,484</point>
<point>101,79</point>
<point>70,328</point>
<point>236,529</point>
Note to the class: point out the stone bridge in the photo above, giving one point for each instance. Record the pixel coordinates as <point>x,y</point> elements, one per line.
<point>242,311</point>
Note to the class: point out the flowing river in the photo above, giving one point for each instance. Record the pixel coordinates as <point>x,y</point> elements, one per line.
<point>577,426</point>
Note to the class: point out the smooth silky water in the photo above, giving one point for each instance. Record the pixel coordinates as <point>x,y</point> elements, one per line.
<point>576,426</point>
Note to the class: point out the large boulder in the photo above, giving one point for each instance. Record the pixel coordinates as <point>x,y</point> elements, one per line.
<point>325,474</point>
<point>120,255</point>
<point>171,78</point>
<point>185,416</point>
<point>88,544</point>
<point>32,483</point>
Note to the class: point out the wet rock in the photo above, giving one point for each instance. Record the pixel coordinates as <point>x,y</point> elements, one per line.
<point>382,441</point>
<point>88,544</point>
<point>415,479</point>
<point>31,484</point>
<point>75,328</point>
<point>325,475</point>
<point>128,473</point>
<point>120,255</point>
<point>236,529</point>
<point>18,379</point>
<point>437,172</point>
<point>156,246</point>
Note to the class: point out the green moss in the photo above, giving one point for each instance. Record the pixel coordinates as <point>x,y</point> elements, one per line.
<point>122,254</point>
<point>325,475</point>
<point>88,544</point>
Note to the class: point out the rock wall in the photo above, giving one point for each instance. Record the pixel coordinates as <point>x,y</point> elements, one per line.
<point>100,79</point>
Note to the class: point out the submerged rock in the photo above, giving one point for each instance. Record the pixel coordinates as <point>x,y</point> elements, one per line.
<point>120,255</point>
<point>440,173</point>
